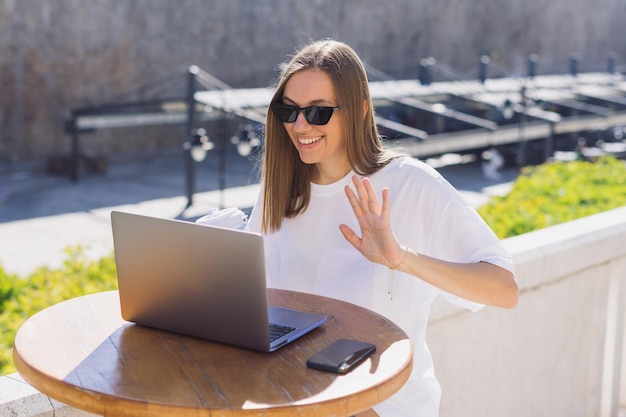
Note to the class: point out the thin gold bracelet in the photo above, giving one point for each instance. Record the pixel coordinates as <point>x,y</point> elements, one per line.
<point>406,250</point>
<point>391,269</point>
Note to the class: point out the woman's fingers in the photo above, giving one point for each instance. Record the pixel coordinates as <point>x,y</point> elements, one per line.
<point>386,210</point>
<point>362,194</point>
<point>350,236</point>
<point>354,202</point>
<point>366,195</point>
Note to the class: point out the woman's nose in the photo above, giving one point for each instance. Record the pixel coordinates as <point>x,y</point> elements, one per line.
<point>301,123</point>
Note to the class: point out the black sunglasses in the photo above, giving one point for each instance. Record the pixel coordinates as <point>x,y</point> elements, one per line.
<point>315,115</point>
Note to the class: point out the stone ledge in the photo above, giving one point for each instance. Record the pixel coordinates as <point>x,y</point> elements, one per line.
<point>18,399</point>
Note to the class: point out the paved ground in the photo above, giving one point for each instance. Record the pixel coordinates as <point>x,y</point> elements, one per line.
<point>42,214</point>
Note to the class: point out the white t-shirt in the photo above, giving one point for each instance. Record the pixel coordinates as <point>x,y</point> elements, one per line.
<point>428,215</point>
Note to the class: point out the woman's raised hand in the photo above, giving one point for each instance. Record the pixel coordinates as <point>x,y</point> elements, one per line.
<point>377,241</point>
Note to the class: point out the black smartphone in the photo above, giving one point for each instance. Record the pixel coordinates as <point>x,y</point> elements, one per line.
<point>341,356</point>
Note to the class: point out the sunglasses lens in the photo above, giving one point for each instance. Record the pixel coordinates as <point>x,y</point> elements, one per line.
<point>284,113</point>
<point>318,115</point>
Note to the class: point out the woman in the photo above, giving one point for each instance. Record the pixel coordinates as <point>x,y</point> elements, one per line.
<point>328,233</point>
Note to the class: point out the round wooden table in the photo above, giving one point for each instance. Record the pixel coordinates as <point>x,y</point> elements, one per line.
<point>82,353</point>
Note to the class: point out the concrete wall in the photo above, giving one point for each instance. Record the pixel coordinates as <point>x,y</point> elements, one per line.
<point>56,55</point>
<point>558,353</point>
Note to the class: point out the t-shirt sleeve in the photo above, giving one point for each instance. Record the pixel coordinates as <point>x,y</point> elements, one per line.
<point>460,235</point>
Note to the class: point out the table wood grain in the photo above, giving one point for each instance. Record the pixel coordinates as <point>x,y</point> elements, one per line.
<point>82,353</point>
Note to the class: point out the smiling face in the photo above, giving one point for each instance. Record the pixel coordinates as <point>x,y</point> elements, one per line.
<point>321,145</point>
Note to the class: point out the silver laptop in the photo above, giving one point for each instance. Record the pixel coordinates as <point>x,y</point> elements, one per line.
<point>199,280</point>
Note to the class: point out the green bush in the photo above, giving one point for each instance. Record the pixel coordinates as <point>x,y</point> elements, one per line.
<point>555,193</point>
<point>20,298</point>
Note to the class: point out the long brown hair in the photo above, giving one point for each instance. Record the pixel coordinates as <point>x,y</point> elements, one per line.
<point>285,177</point>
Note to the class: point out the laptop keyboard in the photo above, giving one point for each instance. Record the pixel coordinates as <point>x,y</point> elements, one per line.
<point>276,331</point>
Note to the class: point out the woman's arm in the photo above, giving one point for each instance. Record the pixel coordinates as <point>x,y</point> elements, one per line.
<point>481,282</point>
